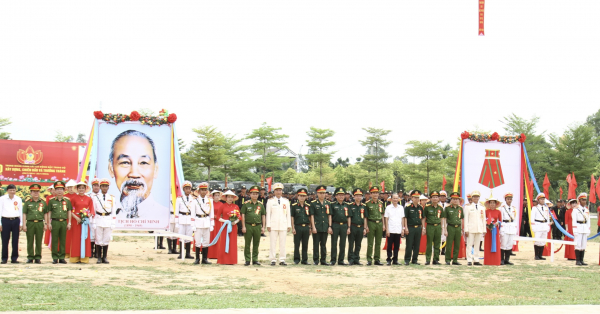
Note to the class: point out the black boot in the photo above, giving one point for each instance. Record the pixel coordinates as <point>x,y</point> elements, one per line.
<point>581,255</point>
<point>502,254</point>
<point>197,261</point>
<point>542,253</point>
<point>536,252</point>
<point>187,251</point>
<point>577,261</point>
<point>507,259</point>
<point>205,256</point>
<point>180,249</point>
<point>99,254</point>
<point>160,243</point>
<point>93,245</point>
<point>480,244</point>
<point>104,252</point>
<point>169,246</point>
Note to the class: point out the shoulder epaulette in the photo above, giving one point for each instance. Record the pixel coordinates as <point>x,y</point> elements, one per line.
<point>65,197</point>
<point>294,204</point>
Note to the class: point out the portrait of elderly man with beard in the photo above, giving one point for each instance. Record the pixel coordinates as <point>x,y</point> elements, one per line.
<point>133,165</point>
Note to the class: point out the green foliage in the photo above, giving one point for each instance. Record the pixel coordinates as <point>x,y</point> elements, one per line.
<point>376,156</point>
<point>594,121</point>
<point>267,142</point>
<point>575,151</point>
<point>237,161</point>
<point>319,144</point>
<point>60,137</point>
<point>81,138</point>
<point>208,149</point>
<point>4,122</point>
<point>432,162</point>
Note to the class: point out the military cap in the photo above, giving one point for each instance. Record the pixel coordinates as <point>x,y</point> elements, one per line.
<point>277,186</point>
<point>254,188</point>
<point>540,196</point>
<point>187,184</point>
<point>416,193</point>
<point>59,184</point>
<point>357,192</point>
<point>444,193</point>
<point>475,193</point>
<point>434,193</point>
<point>302,191</point>
<point>455,195</point>
<point>203,185</point>
<point>243,187</point>
<point>262,188</point>
<point>104,182</point>
<point>321,188</point>
<point>35,187</point>
<point>95,181</point>
<point>374,190</point>
<point>508,194</point>
<point>340,190</point>
<point>582,195</point>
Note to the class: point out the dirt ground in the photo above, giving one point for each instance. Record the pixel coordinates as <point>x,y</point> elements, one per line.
<point>134,263</point>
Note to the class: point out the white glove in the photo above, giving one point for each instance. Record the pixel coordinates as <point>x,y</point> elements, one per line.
<point>112,227</point>
<point>211,228</point>
<point>194,228</point>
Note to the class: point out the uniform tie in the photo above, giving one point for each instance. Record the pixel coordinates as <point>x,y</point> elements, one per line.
<point>476,206</point>
<point>104,197</point>
<point>187,197</point>
<point>202,200</point>
<point>279,201</point>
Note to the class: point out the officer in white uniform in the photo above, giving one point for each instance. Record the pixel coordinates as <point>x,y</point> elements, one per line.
<point>474,228</point>
<point>540,224</point>
<point>95,191</point>
<point>173,227</point>
<point>581,227</point>
<point>105,219</point>
<point>204,222</point>
<point>184,209</point>
<point>279,223</point>
<point>508,228</point>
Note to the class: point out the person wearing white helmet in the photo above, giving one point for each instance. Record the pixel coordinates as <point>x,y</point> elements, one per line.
<point>185,207</point>
<point>508,228</point>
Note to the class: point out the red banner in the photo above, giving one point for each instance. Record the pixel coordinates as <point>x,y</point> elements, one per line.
<point>481,11</point>
<point>269,182</point>
<point>382,186</point>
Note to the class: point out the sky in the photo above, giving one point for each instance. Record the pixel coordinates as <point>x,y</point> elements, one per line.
<point>417,68</point>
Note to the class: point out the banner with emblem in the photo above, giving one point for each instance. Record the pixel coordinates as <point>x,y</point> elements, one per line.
<point>492,164</point>
<point>140,157</point>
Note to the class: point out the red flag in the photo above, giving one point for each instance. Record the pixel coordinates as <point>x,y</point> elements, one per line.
<point>572,187</point>
<point>561,192</point>
<point>598,193</point>
<point>592,190</point>
<point>382,186</point>
<point>444,183</point>
<point>546,186</point>
<point>370,185</point>
<point>269,181</point>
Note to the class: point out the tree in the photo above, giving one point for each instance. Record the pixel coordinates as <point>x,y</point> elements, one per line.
<point>594,121</point>
<point>425,151</point>
<point>318,148</point>
<point>59,137</point>
<point>267,142</point>
<point>340,162</point>
<point>575,151</point>
<point>237,160</point>
<point>376,157</point>
<point>208,149</point>
<point>4,122</point>
<point>81,138</point>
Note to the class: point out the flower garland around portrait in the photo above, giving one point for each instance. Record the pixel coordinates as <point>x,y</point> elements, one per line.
<point>163,117</point>
<point>482,137</point>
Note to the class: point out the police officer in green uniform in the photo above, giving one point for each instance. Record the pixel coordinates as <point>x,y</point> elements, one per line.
<point>34,210</point>
<point>340,226</point>
<point>433,218</point>
<point>253,222</point>
<point>300,213</point>
<point>358,228</point>
<point>413,218</point>
<point>375,227</point>
<point>58,210</point>
<point>320,221</point>
<point>453,218</point>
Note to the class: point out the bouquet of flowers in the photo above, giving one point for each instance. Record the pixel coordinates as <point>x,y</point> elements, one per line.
<point>235,215</point>
<point>84,215</point>
<point>490,224</point>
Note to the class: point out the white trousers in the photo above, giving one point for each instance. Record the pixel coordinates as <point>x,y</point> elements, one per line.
<point>202,237</point>
<point>506,241</point>
<point>473,238</point>
<point>275,235</point>
<point>540,235</point>
<point>580,241</point>
<point>186,230</point>
<point>173,228</point>
<point>103,235</point>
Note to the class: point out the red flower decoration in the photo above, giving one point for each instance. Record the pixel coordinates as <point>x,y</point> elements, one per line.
<point>522,138</point>
<point>464,135</point>
<point>495,136</point>
<point>172,118</point>
<point>98,114</point>
<point>135,116</point>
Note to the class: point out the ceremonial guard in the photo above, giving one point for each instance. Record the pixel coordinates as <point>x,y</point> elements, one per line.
<point>474,228</point>
<point>376,227</point>
<point>340,227</point>
<point>320,220</point>
<point>540,225</point>
<point>173,227</point>
<point>59,210</point>
<point>433,219</point>
<point>414,220</point>
<point>93,193</point>
<point>279,223</point>
<point>253,222</point>
<point>508,228</point>
<point>581,228</point>
<point>33,214</point>
<point>11,208</point>
<point>453,217</point>
<point>105,220</point>
<point>186,207</point>
<point>301,226</point>
<point>359,216</point>
<point>203,222</point>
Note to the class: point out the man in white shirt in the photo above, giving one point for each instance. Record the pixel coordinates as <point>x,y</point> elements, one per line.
<point>11,209</point>
<point>474,228</point>
<point>508,229</point>
<point>95,191</point>
<point>279,223</point>
<point>394,213</point>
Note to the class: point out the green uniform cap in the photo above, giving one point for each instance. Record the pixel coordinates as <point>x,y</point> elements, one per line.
<point>416,193</point>
<point>340,190</point>
<point>35,187</point>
